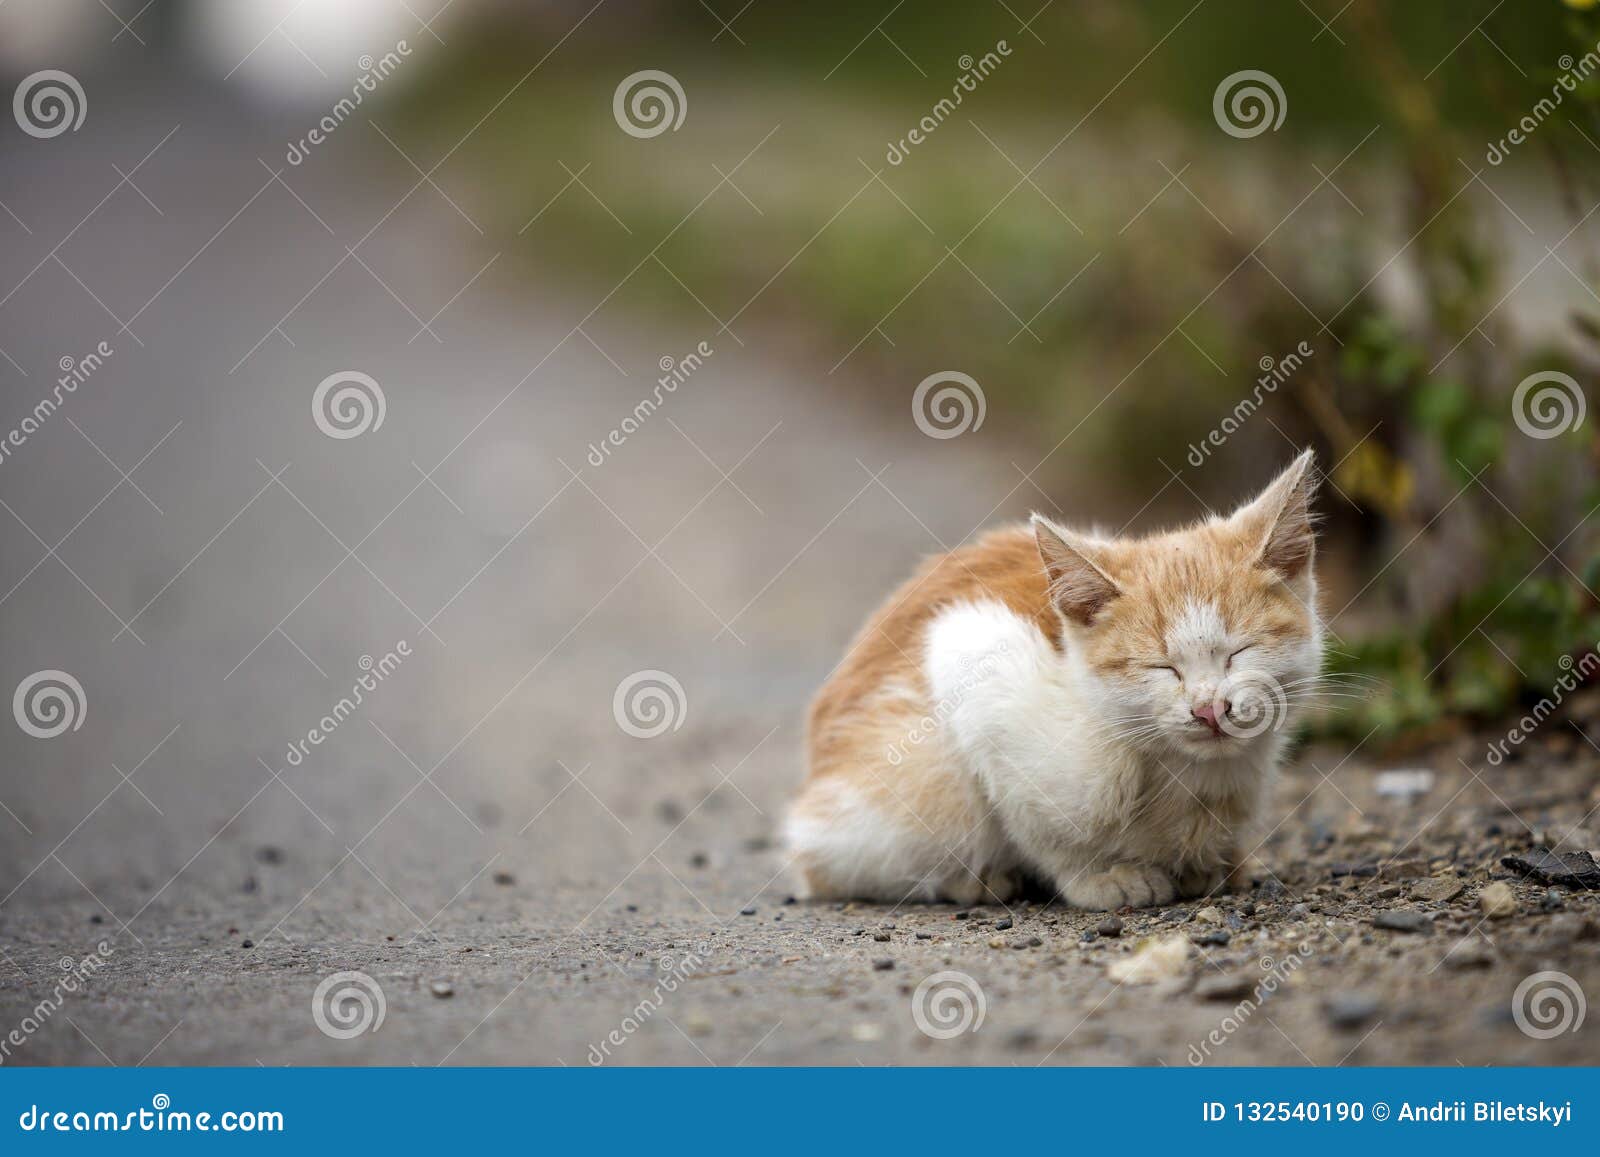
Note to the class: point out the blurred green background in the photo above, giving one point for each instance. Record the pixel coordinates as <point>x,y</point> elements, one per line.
<point>1082,237</point>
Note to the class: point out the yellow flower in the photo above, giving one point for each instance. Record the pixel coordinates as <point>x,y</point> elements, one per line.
<point>1371,474</point>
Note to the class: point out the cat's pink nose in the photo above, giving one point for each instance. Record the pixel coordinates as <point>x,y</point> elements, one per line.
<point>1207,714</point>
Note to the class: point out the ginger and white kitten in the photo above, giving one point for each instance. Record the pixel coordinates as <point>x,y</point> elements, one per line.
<point>1105,715</point>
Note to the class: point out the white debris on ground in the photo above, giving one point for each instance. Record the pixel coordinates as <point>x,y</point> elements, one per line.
<point>1155,960</point>
<point>1404,784</point>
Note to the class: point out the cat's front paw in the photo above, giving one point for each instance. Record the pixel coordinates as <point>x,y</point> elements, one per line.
<point>1196,882</point>
<point>967,889</point>
<point>1132,885</point>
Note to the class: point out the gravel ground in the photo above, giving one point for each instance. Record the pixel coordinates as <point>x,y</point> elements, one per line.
<point>523,880</point>
<point>700,957</point>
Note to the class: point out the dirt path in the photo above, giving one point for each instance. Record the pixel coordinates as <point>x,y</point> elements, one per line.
<point>519,875</point>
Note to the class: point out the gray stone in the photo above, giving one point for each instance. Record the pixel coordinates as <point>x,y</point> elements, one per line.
<point>1404,920</point>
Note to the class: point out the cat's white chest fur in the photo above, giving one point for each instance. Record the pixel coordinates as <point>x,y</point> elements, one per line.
<point>1077,804</point>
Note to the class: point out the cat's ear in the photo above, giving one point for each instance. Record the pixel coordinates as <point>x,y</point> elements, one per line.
<point>1079,588</point>
<point>1279,523</point>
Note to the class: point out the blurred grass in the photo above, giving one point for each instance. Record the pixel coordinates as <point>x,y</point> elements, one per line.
<point>1058,291</point>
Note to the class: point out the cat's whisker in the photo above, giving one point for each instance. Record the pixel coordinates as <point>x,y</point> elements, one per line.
<point>1340,677</point>
<point>1333,677</point>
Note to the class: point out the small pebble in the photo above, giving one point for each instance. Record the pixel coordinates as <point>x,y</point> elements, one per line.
<point>1338,870</point>
<point>883,964</point>
<point>1208,915</point>
<point>881,937</point>
<point>1553,900</point>
<point>1350,1009</point>
<point>1216,938</point>
<point>247,944</point>
<point>1404,920</point>
<point>441,989</point>
<point>1002,924</point>
<point>1497,900</point>
<point>747,911</point>
<point>1405,869</point>
<point>1566,928</point>
<point>1469,956</point>
<point>1439,889</point>
<point>1110,926</point>
<point>504,879</point>
<point>1226,987</point>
